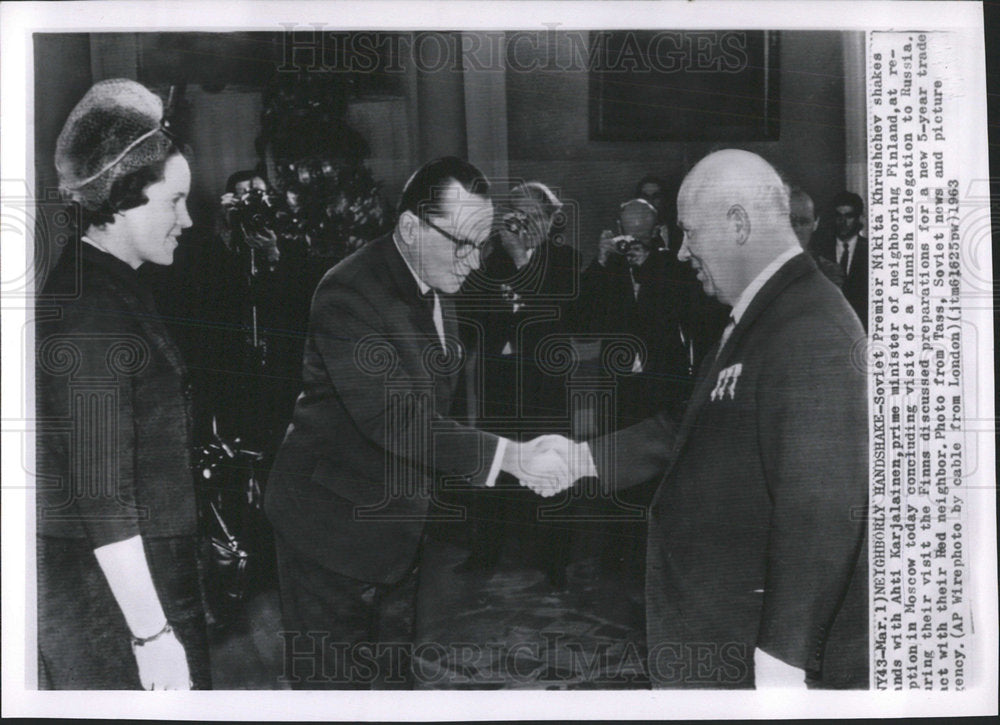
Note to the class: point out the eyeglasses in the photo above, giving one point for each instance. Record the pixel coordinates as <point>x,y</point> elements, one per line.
<point>463,247</point>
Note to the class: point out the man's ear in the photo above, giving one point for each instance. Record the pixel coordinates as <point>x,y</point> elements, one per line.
<point>408,223</point>
<point>739,222</point>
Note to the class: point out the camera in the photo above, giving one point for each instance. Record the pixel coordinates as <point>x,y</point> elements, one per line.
<point>623,242</point>
<point>515,222</point>
<point>259,213</point>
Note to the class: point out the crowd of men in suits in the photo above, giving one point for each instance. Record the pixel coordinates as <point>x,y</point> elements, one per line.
<point>440,358</point>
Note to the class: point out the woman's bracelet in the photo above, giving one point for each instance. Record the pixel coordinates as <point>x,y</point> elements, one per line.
<point>140,641</point>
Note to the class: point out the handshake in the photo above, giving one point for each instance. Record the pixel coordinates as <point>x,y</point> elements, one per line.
<point>549,464</point>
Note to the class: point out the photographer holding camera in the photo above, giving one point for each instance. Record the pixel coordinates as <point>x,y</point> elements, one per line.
<point>249,211</point>
<point>636,286</point>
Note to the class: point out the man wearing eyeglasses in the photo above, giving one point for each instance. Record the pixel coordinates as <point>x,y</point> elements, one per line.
<point>353,482</point>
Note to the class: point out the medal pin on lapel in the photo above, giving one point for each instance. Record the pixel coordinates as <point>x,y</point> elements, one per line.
<point>730,390</point>
<point>725,386</point>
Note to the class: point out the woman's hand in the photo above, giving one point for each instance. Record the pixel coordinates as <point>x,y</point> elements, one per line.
<point>163,664</point>
<point>161,661</point>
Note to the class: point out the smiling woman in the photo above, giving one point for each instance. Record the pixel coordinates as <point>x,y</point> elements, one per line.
<point>149,232</point>
<point>119,604</point>
<point>144,211</point>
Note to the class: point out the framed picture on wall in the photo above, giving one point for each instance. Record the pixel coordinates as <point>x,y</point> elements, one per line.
<point>684,85</point>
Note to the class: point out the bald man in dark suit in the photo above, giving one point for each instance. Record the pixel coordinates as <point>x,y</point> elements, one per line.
<point>756,558</point>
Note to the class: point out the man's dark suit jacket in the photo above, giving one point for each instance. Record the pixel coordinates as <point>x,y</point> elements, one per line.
<point>757,530</point>
<point>855,285</point>
<point>669,300</point>
<point>352,481</point>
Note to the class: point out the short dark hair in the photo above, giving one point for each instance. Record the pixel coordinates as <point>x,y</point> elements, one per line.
<point>129,191</point>
<point>423,190</point>
<point>239,176</point>
<point>649,179</point>
<point>849,198</point>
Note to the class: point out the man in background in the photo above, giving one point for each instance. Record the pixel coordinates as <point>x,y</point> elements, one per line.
<point>523,294</point>
<point>654,190</point>
<point>638,296</point>
<point>635,288</point>
<point>848,249</point>
<point>802,213</point>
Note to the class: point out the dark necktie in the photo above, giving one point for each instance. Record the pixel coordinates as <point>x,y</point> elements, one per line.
<point>429,298</point>
<point>845,257</point>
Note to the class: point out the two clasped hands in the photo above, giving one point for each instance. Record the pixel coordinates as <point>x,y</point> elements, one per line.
<point>549,464</point>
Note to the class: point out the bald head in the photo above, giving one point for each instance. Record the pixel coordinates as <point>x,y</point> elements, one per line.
<point>733,208</point>
<point>735,177</point>
<point>802,214</point>
<point>638,219</point>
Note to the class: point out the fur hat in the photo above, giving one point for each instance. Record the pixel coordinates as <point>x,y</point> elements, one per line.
<point>115,129</point>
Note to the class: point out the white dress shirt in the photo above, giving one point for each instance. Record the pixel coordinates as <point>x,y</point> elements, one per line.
<point>424,289</point>
<point>752,289</point>
<point>762,279</point>
<point>491,478</point>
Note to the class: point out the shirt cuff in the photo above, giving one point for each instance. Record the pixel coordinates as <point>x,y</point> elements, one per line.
<point>589,469</point>
<point>770,672</point>
<point>491,478</point>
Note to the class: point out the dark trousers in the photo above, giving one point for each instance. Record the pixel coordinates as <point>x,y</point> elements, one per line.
<point>83,640</point>
<point>492,512</point>
<point>341,633</point>
<point>638,397</point>
<point>509,507</point>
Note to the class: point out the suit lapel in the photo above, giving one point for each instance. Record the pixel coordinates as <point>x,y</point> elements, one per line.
<point>452,343</point>
<point>716,360</point>
<point>860,260</point>
<point>421,315</point>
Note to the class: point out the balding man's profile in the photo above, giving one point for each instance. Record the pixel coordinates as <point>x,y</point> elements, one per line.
<point>756,554</point>
<point>802,213</point>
